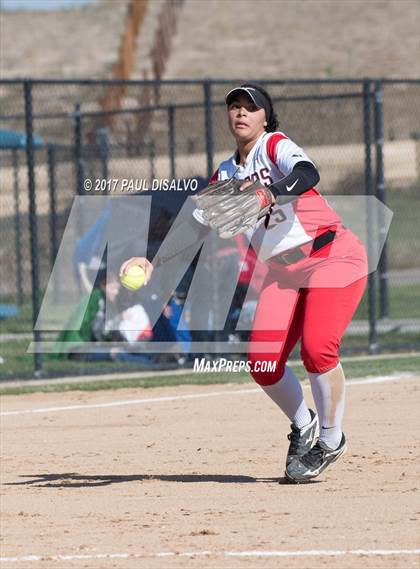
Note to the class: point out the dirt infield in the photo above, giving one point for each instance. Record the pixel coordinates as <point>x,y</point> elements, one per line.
<point>159,479</point>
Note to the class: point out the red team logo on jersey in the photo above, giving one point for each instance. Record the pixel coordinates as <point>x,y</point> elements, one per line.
<point>262,198</point>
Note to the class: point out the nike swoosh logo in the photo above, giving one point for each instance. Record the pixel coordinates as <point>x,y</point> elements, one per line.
<point>290,188</point>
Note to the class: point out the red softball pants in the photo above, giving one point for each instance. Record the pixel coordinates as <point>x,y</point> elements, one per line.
<point>312,300</point>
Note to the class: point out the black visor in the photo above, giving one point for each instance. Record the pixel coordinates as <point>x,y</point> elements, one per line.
<point>256,97</point>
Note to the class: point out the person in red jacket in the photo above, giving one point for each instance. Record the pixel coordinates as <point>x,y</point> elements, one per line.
<point>315,280</point>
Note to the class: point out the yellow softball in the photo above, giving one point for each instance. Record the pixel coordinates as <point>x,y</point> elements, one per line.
<point>133,278</point>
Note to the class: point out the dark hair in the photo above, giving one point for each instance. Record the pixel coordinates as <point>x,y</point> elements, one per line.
<point>272,120</point>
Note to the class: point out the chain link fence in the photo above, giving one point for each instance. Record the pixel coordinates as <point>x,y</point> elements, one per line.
<point>54,135</point>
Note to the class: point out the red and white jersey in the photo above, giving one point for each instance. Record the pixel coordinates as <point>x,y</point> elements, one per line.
<point>272,158</point>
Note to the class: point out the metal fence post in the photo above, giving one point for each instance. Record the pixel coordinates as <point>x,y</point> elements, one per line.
<point>18,235</point>
<point>380,194</point>
<point>78,149</point>
<point>152,158</point>
<point>208,124</point>
<point>373,333</point>
<point>78,160</point>
<point>53,208</point>
<point>171,139</point>
<point>53,204</point>
<point>102,134</point>
<point>27,88</point>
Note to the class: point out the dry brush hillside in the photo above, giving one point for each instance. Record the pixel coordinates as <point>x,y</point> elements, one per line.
<point>297,38</point>
<point>225,38</point>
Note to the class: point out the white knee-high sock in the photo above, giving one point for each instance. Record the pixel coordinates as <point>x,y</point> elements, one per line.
<point>328,390</point>
<point>288,395</point>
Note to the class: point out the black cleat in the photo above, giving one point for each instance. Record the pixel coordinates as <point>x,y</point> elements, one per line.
<point>315,461</point>
<point>302,439</point>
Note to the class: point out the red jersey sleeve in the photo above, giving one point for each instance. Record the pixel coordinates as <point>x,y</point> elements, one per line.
<point>272,145</point>
<point>284,153</point>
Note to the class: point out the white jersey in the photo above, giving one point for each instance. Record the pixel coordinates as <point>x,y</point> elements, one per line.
<point>272,158</point>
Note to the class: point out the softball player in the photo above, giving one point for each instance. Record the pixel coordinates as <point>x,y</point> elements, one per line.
<point>316,278</point>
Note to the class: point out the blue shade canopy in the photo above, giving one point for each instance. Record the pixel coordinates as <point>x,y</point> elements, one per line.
<point>8,310</point>
<point>33,5</point>
<point>10,139</point>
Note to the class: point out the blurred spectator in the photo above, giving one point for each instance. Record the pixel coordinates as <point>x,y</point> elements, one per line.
<point>135,325</point>
<point>172,327</point>
<point>92,328</point>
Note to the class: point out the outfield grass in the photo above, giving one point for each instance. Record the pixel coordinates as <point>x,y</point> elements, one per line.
<point>22,323</point>
<point>20,364</point>
<point>372,366</point>
<point>404,302</point>
<point>404,234</point>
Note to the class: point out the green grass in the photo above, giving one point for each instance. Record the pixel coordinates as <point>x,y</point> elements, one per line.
<point>389,341</point>
<point>371,367</point>
<point>22,323</point>
<point>404,302</point>
<point>404,233</point>
<point>16,360</point>
<point>20,364</point>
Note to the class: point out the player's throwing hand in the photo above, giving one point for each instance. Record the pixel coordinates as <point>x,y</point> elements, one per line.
<point>137,262</point>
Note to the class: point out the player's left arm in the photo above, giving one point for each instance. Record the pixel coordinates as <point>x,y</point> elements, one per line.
<point>300,173</point>
<point>302,178</point>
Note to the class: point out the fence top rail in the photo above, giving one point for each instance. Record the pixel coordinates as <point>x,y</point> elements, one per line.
<point>215,81</point>
<point>176,106</point>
